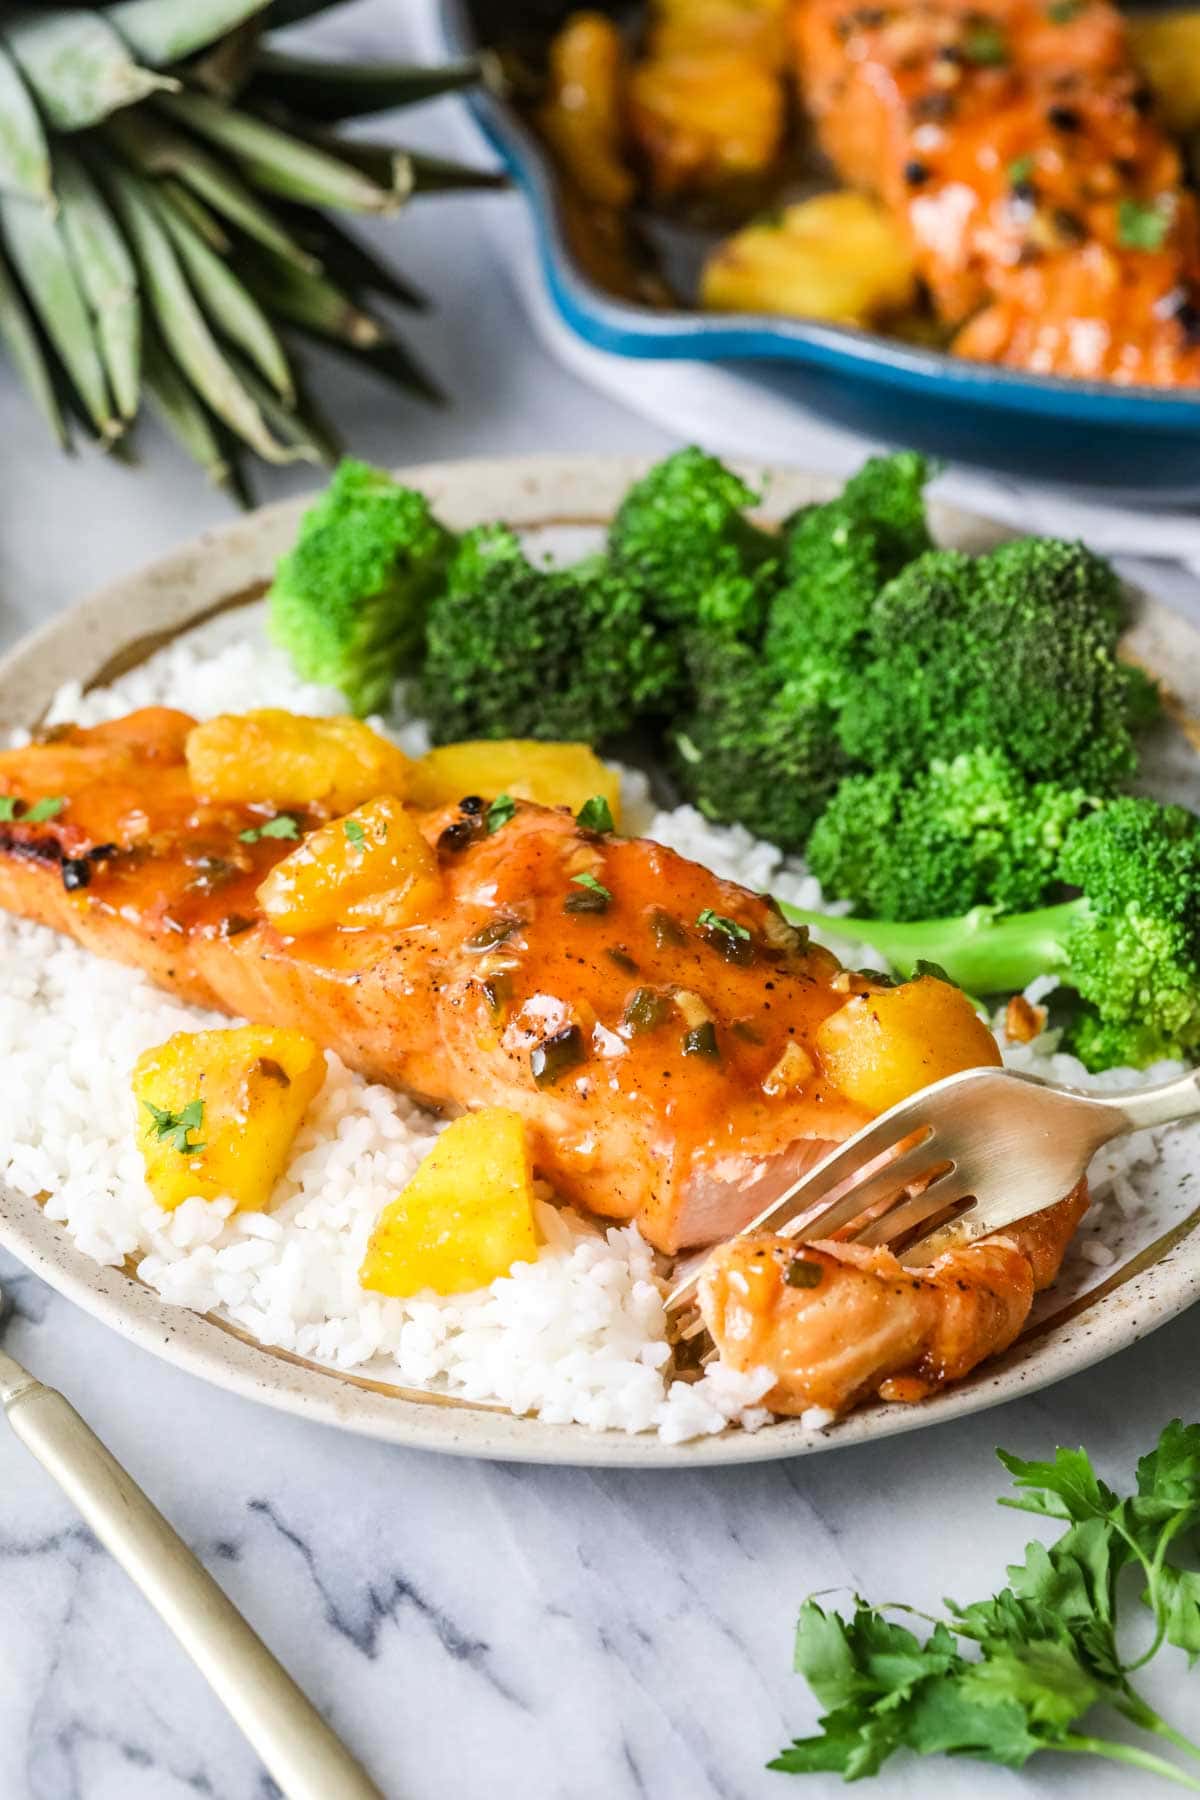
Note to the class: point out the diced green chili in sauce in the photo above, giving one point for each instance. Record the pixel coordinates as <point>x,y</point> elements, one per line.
<point>555,1055</point>
<point>748,1033</point>
<point>801,1274</point>
<point>666,930</point>
<point>497,991</point>
<point>495,932</point>
<point>701,1040</point>
<point>645,1010</point>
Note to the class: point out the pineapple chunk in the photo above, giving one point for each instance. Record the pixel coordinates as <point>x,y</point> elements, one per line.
<point>706,119</point>
<point>581,120</point>
<point>218,1111</point>
<point>465,1217</point>
<point>1166,48</point>
<point>290,760</point>
<point>879,1048</point>
<point>757,26</point>
<point>551,774</point>
<point>371,868</point>
<point>840,257</point>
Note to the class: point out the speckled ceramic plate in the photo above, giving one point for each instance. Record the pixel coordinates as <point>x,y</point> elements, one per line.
<point>1089,1315</point>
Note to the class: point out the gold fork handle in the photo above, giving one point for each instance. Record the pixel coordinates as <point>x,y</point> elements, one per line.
<point>299,1749</point>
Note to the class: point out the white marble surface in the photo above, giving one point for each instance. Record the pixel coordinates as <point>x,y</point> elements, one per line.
<point>516,1633</point>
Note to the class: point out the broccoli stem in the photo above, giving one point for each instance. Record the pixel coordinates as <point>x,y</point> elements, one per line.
<point>984,953</point>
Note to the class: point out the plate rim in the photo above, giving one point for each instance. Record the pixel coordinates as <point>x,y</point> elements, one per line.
<point>166,594</point>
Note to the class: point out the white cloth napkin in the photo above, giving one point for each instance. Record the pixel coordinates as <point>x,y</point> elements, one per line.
<point>742,413</point>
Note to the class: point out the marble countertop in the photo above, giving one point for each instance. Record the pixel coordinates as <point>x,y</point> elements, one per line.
<point>470,1629</point>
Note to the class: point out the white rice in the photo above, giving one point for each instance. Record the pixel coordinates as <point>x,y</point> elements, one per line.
<point>579,1335</point>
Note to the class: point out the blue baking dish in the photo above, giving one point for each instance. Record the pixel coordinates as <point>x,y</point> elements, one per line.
<point>1141,441</point>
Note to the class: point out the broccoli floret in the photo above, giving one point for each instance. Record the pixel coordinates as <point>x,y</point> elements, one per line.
<point>348,600</point>
<point>1014,651</point>
<point>519,651</point>
<point>1128,945</point>
<point>682,533</point>
<point>755,753</point>
<point>837,557</point>
<point>963,833</point>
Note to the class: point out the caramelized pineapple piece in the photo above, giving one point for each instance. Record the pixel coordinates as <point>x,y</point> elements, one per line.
<point>758,27</point>
<point>465,1217</point>
<point>1166,48</point>
<point>706,119</point>
<point>289,760</point>
<point>881,1047</point>
<point>218,1111</point>
<point>582,118</point>
<point>551,774</point>
<point>837,256</point>
<point>371,868</point>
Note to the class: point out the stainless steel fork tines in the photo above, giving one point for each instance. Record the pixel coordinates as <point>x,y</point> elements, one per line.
<point>962,1159</point>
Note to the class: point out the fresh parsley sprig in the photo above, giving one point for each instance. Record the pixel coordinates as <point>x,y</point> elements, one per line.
<point>1048,1651</point>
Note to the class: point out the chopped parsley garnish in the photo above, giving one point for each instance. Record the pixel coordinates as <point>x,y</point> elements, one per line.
<point>1020,170</point>
<point>354,831</point>
<point>594,897</point>
<point>595,815</point>
<point>282,826</point>
<point>500,812</point>
<point>1050,1648</point>
<point>37,814</point>
<point>709,920</point>
<point>923,966</point>
<point>589,881</point>
<point>175,1128</point>
<point>986,46</point>
<point>1141,227</point>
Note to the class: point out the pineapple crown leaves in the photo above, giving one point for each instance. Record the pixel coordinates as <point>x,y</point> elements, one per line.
<point>166,177</point>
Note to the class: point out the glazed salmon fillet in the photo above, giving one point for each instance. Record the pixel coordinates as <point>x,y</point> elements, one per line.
<point>1016,142</point>
<point>655,1027</point>
<point>638,1044</point>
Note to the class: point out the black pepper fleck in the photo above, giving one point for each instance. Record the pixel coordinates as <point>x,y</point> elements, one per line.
<point>1064,118</point>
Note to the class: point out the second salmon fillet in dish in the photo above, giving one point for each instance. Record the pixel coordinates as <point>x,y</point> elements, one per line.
<point>677,1051</point>
<point>1016,142</point>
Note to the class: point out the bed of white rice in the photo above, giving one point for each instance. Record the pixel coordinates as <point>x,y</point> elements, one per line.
<point>577,1336</point>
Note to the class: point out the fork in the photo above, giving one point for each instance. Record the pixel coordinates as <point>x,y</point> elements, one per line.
<point>295,1743</point>
<point>963,1158</point>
